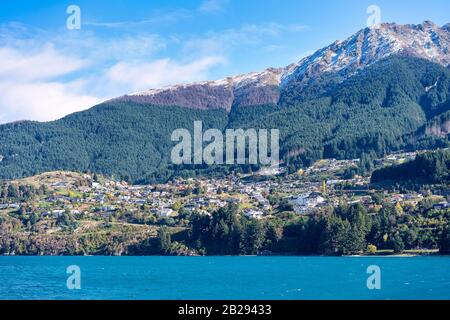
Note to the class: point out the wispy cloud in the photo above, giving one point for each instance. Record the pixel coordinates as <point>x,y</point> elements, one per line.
<point>214,42</point>
<point>157,17</point>
<point>211,6</point>
<point>161,16</point>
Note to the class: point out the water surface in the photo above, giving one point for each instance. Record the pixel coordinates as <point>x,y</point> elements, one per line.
<point>224,278</point>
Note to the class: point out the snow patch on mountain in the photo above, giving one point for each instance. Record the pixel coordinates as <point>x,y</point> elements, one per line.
<point>258,79</point>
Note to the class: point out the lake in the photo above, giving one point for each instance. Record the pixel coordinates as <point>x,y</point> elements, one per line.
<point>224,278</point>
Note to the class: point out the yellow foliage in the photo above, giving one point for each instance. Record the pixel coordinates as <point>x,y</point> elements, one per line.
<point>399,209</point>
<point>371,249</point>
<point>176,206</point>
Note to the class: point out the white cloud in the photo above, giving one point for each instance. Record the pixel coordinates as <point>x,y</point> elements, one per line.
<point>29,91</point>
<point>46,63</point>
<point>41,101</point>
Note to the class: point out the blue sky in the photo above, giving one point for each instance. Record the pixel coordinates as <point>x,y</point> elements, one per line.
<point>48,71</point>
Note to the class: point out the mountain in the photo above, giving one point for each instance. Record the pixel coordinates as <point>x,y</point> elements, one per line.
<point>427,41</point>
<point>380,90</point>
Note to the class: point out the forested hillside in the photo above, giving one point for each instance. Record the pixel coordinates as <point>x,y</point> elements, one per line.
<point>431,167</point>
<point>130,141</point>
<point>396,103</point>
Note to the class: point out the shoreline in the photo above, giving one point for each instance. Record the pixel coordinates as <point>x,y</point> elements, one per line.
<point>406,255</point>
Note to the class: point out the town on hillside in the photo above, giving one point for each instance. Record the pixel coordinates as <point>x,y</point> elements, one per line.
<point>56,205</point>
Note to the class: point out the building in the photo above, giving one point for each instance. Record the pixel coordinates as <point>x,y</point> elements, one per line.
<point>307,201</point>
<point>254,214</point>
<point>165,212</point>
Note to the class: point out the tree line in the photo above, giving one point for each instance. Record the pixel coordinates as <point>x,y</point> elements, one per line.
<point>346,230</point>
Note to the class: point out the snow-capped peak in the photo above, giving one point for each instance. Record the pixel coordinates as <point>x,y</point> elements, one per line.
<point>370,45</point>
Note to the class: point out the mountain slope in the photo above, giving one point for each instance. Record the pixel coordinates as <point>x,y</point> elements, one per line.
<point>343,58</point>
<point>383,108</point>
<point>127,140</point>
<point>373,111</point>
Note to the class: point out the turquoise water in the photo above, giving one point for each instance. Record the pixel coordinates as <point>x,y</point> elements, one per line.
<point>224,278</point>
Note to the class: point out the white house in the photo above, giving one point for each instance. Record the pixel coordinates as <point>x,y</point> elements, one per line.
<point>254,214</point>
<point>165,212</point>
<point>305,202</point>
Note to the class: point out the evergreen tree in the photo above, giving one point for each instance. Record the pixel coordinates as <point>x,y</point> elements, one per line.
<point>397,244</point>
<point>253,238</point>
<point>164,240</point>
